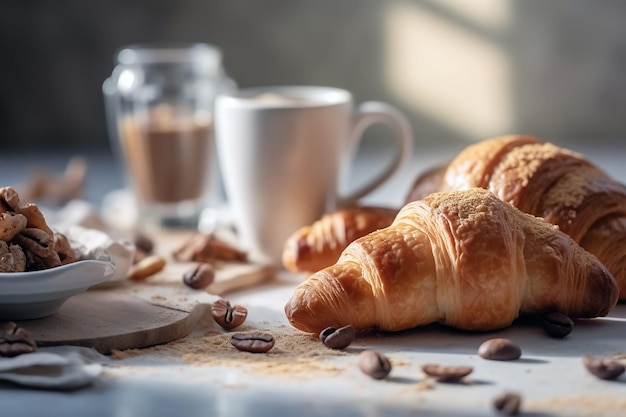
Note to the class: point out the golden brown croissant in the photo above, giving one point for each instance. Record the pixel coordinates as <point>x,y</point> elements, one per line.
<point>464,259</point>
<point>556,184</point>
<point>319,245</point>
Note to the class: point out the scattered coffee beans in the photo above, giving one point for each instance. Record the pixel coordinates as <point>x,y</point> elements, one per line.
<point>603,368</point>
<point>228,316</point>
<point>339,338</point>
<point>508,403</point>
<point>374,364</point>
<point>15,340</point>
<point>144,246</point>
<point>143,242</point>
<point>252,342</point>
<point>446,373</point>
<point>499,349</point>
<point>557,325</point>
<point>200,276</point>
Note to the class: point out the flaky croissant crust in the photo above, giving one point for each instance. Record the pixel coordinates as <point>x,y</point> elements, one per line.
<point>550,182</point>
<point>464,259</point>
<point>319,245</point>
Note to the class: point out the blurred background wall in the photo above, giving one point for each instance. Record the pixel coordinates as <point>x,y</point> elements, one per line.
<point>463,71</point>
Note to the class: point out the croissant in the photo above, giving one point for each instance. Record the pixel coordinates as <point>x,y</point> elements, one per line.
<point>547,181</point>
<point>465,259</point>
<point>319,245</point>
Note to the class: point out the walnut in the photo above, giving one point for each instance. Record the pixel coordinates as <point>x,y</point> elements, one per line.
<point>10,201</point>
<point>15,340</point>
<point>64,249</point>
<point>12,258</point>
<point>34,245</point>
<point>39,249</point>
<point>11,224</point>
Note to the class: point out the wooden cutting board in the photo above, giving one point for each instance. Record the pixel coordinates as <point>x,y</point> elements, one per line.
<point>105,320</point>
<point>135,315</point>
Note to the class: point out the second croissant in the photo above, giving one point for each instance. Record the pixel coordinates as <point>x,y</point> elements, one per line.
<point>547,181</point>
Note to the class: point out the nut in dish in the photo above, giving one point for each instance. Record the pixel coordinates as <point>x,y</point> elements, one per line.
<point>27,243</point>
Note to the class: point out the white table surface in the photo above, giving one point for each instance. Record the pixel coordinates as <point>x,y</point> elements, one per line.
<point>550,375</point>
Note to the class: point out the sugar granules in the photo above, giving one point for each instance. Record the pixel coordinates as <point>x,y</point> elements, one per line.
<point>295,354</point>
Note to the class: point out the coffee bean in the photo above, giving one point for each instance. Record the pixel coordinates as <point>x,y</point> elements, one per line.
<point>508,403</point>
<point>446,373</point>
<point>143,242</point>
<point>252,342</point>
<point>374,364</point>
<point>15,340</point>
<point>499,349</point>
<point>228,316</point>
<point>557,324</point>
<point>603,368</point>
<point>201,276</point>
<point>339,338</point>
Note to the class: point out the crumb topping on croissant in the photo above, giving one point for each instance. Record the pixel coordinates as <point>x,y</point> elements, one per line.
<point>550,182</point>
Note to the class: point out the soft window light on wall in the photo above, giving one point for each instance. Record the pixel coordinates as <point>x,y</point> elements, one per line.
<point>445,60</point>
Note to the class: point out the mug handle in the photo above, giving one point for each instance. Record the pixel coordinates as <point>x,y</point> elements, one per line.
<point>367,114</point>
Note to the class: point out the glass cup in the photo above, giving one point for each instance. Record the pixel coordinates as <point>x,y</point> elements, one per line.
<point>159,107</point>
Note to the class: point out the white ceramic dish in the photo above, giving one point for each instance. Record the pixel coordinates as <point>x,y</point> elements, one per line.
<point>37,294</point>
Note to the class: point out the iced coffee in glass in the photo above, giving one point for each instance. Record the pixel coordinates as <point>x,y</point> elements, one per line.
<point>159,103</point>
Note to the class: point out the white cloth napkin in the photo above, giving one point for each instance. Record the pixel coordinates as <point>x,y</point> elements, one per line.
<point>59,368</point>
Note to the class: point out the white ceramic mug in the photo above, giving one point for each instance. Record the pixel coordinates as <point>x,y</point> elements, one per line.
<point>285,151</point>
